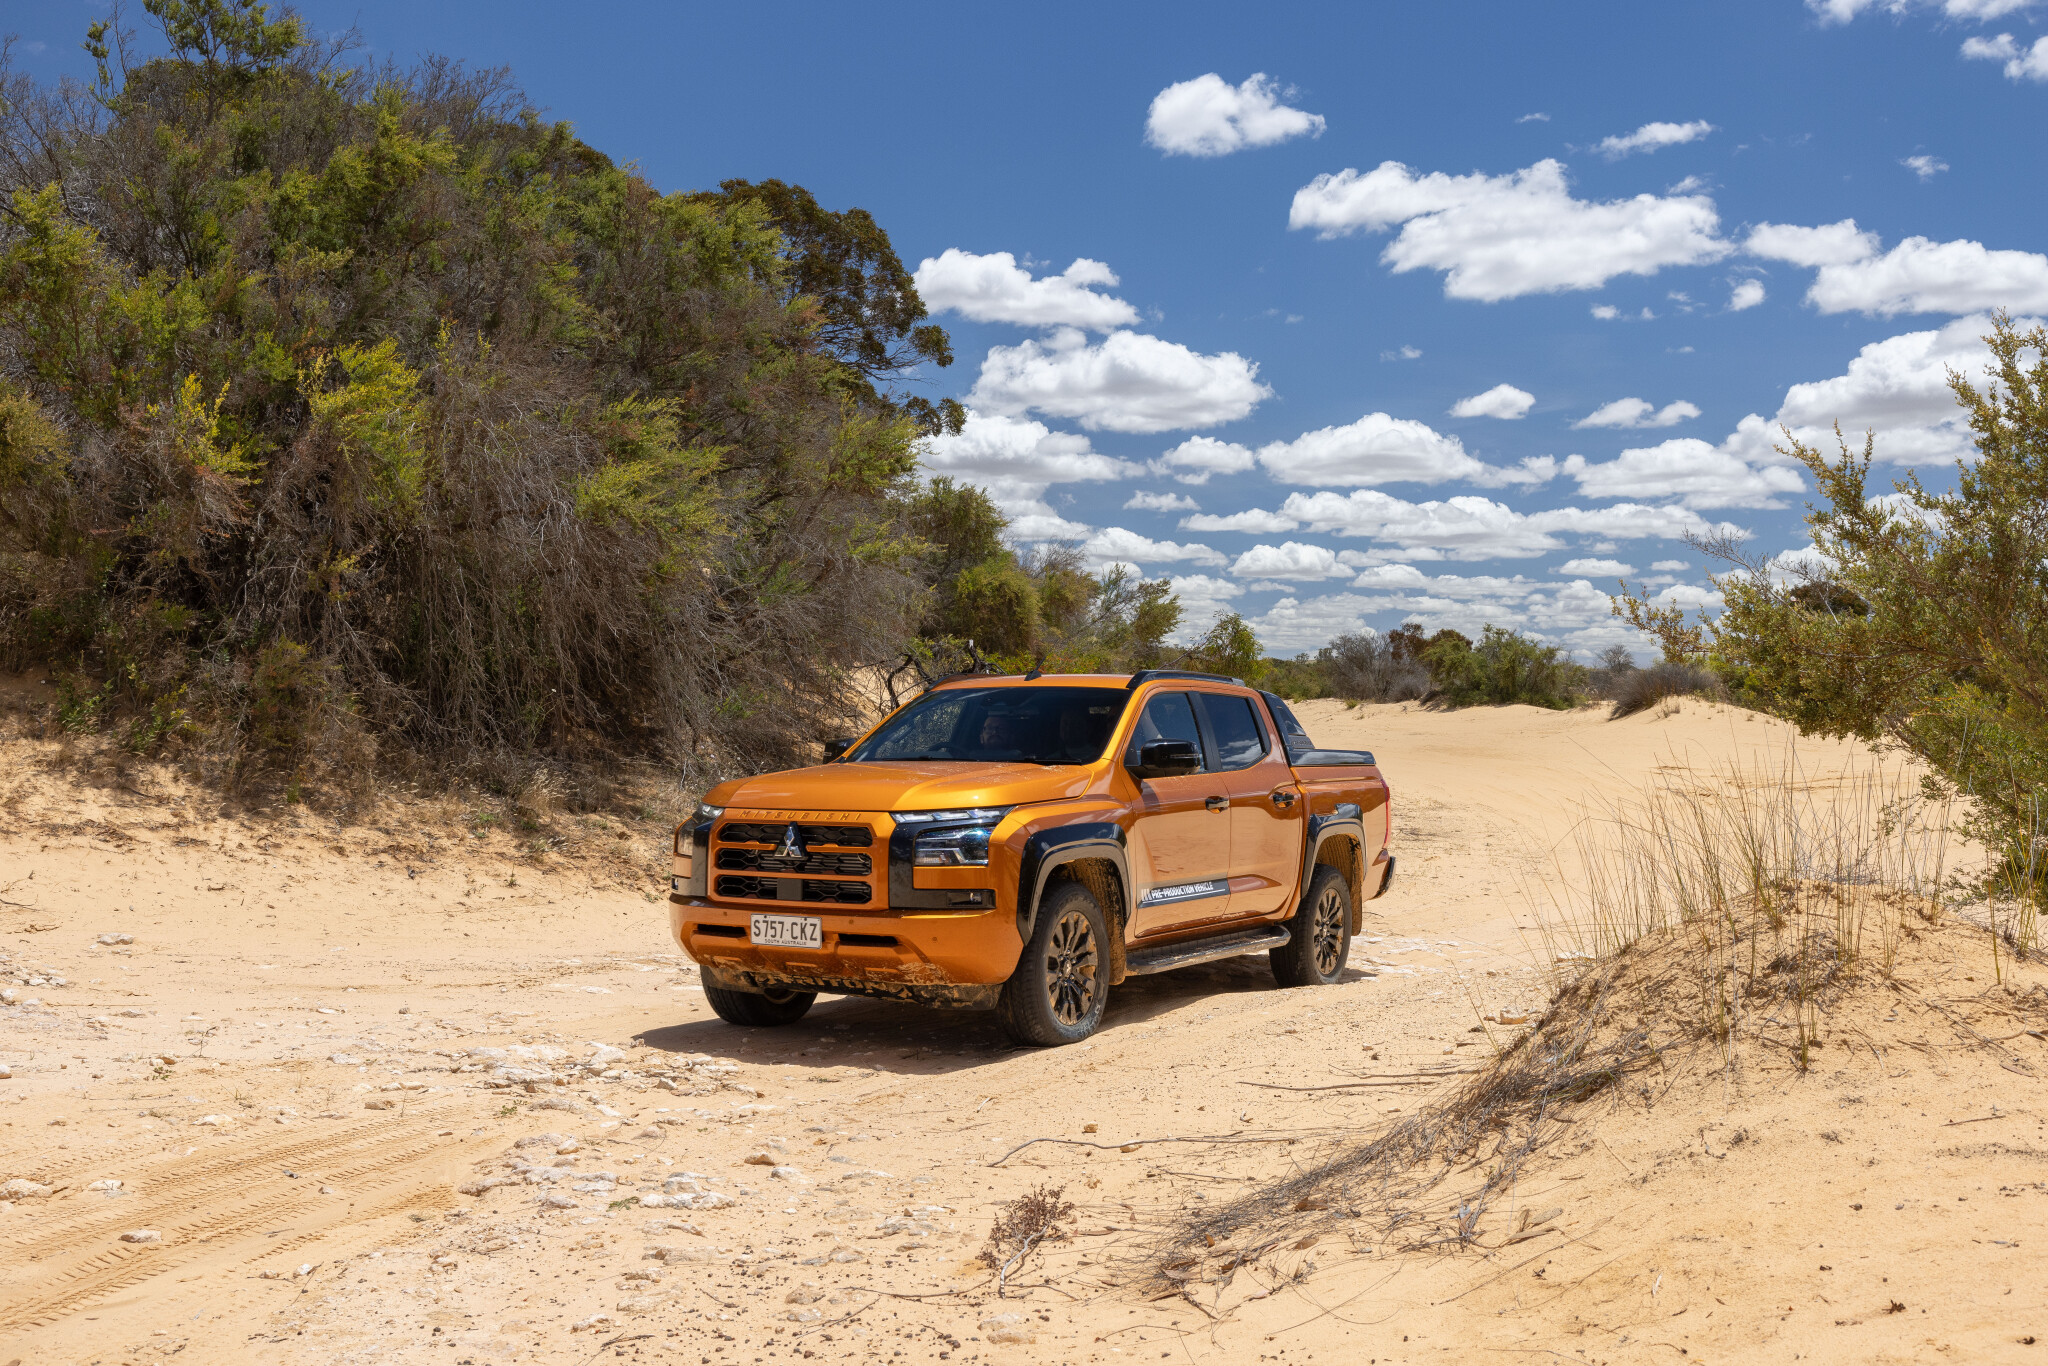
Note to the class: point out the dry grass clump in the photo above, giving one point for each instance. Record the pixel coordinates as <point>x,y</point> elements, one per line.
<point>1633,690</point>
<point>1717,923</point>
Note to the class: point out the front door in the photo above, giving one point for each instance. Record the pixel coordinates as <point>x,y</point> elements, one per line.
<point>1266,809</point>
<point>1180,841</point>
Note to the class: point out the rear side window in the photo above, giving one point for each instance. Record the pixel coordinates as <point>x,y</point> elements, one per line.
<point>1168,716</point>
<point>1240,740</point>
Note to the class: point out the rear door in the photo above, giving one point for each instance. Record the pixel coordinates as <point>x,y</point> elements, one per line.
<point>1180,839</point>
<point>1266,810</point>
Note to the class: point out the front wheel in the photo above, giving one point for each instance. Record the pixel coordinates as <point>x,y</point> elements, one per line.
<point>1057,993</point>
<point>777,1006</point>
<point>1322,933</point>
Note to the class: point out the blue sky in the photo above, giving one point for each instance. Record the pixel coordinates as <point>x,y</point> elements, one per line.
<point>1307,234</point>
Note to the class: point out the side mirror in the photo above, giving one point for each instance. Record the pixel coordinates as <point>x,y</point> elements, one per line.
<point>835,748</point>
<point>1168,759</point>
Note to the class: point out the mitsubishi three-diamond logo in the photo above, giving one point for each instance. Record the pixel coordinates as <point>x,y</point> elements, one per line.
<point>792,847</point>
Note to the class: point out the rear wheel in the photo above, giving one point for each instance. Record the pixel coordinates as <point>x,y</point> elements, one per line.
<point>1057,993</point>
<point>1322,933</point>
<point>778,1006</point>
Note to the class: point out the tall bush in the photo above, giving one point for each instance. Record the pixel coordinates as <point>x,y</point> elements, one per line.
<point>380,366</point>
<point>1503,667</point>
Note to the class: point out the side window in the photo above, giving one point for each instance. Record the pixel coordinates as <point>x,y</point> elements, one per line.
<point>1240,740</point>
<point>1168,716</point>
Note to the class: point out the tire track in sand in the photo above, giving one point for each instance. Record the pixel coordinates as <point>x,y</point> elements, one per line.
<point>72,1258</point>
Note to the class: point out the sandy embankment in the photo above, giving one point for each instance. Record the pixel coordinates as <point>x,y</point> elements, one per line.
<point>282,1071</point>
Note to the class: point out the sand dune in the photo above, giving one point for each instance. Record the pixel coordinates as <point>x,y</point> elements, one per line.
<point>416,1089</point>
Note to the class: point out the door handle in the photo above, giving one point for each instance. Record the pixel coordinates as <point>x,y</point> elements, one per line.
<point>1282,798</point>
<point>1217,803</point>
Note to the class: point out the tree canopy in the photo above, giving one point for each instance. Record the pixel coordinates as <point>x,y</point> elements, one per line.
<point>363,404</point>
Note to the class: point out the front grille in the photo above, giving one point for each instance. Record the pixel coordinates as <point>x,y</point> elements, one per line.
<point>814,890</point>
<point>762,861</point>
<point>845,836</point>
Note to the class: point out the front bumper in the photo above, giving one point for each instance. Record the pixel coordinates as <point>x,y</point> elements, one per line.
<point>938,957</point>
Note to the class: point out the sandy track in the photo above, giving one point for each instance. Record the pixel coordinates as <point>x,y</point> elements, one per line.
<point>286,964</point>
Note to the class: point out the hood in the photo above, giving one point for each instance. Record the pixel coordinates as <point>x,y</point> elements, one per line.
<point>920,786</point>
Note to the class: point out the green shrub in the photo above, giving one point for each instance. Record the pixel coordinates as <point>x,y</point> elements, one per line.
<point>1503,667</point>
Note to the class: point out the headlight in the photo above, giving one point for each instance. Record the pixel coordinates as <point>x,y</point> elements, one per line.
<point>709,812</point>
<point>980,815</point>
<point>959,846</point>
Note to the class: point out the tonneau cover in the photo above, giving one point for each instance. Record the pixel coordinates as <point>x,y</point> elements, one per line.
<point>1329,758</point>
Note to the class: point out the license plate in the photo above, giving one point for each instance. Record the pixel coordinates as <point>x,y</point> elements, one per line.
<point>787,931</point>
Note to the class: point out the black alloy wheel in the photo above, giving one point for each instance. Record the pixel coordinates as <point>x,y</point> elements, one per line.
<point>1056,995</point>
<point>1315,956</point>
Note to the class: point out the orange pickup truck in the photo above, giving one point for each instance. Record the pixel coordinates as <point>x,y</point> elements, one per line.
<point>1025,843</point>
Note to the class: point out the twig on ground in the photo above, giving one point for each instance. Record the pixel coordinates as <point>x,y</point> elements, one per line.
<point>833,1323</point>
<point>1145,1142</point>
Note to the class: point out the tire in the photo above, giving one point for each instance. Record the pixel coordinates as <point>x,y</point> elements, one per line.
<point>1057,993</point>
<point>757,1010</point>
<point>1315,956</point>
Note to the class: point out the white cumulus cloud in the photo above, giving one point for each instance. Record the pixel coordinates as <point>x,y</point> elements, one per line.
<point>2021,63</point>
<point>1470,527</point>
<point>1015,461</point>
<point>1114,545</point>
<point>1376,449</point>
<point>1502,400</point>
<point>1926,167</point>
<point>1500,237</point>
<point>1981,11</point>
<point>1652,136</point>
<point>993,288</point>
<point>1288,560</point>
<point>1898,388</point>
<point>1127,382</point>
<point>1746,294</point>
<point>1162,502</point>
<point>1609,569</point>
<point>1575,614</point>
<point>1210,117</point>
<point>1697,473</point>
<point>1831,244</point>
<point>1198,457</point>
<point>1251,519</point>
<point>1636,412</point>
<point>1918,275</point>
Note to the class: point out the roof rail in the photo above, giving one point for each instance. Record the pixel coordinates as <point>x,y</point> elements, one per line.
<point>1147,675</point>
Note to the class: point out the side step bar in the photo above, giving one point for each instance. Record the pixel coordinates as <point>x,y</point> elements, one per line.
<point>1186,953</point>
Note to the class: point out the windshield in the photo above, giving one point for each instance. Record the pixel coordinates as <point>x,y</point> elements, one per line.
<point>999,726</point>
